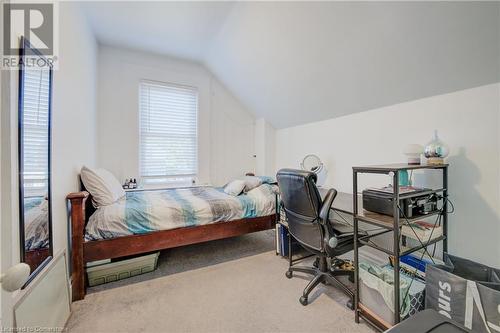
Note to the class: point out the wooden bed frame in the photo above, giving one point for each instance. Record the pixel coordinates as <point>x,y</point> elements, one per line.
<point>83,252</point>
<point>35,257</point>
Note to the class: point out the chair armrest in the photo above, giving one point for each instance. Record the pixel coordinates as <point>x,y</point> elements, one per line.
<point>327,203</point>
<point>345,234</point>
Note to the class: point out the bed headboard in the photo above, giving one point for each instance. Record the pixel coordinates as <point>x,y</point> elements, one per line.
<point>80,210</point>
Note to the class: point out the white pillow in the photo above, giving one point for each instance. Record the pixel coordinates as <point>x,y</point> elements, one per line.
<point>235,187</point>
<point>102,185</point>
<point>251,182</point>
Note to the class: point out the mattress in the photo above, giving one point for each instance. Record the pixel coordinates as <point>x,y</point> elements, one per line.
<point>146,211</point>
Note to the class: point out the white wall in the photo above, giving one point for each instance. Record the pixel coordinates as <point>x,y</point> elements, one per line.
<point>265,144</point>
<point>468,121</point>
<point>232,132</point>
<point>73,113</point>
<point>73,135</point>
<point>225,128</point>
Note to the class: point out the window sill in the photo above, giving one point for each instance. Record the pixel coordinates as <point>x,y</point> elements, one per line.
<point>166,186</point>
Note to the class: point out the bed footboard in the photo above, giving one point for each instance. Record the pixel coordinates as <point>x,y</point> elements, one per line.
<point>77,225</point>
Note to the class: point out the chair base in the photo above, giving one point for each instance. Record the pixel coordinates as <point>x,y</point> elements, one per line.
<point>322,274</point>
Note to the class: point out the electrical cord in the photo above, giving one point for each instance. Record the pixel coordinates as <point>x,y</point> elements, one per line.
<point>421,257</point>
<point>415,233</point>
<point>437,222</point>
<point>448,201</point>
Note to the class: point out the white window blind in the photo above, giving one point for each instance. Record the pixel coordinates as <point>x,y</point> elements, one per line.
<point>35,138</point>
<point>168,132</point>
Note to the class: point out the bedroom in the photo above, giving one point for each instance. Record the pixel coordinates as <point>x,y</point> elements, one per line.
<point>253,88</point>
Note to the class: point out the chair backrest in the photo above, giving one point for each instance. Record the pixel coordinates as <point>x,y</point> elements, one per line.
<point>302,203</point>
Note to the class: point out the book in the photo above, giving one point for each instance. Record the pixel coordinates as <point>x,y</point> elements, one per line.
<point>423,231</point>
<point>423,255</point>
<point>414,262</point>
<point>419,261</point>
<point>407,268</point>
<point>411,271</point>
<point>427,258</point>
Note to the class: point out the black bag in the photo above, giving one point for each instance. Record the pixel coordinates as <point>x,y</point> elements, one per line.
<point>465,291</point>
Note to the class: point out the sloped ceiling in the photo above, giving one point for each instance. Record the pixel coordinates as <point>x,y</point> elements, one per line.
<point>299,62</point>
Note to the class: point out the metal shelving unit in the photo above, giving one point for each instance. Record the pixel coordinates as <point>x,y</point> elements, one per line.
<point>392,224</point>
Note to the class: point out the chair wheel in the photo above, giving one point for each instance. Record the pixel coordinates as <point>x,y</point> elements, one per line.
<point>350,304</point>
<point>289,274</point>
<point>351,278</point>
<point>303,300</point>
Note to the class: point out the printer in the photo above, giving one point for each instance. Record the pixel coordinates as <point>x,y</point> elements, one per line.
<point>379,200</point>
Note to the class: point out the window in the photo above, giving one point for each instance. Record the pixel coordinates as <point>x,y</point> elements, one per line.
<point>168,133</point>
<point>36,132</point>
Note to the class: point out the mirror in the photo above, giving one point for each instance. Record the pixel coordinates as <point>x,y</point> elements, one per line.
<point>312,163</point>
<point>35,87</point>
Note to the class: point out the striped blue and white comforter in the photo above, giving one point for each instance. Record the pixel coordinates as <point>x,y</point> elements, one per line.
<point>146,211</point>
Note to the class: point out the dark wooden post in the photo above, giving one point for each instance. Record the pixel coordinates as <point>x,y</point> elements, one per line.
<point>77,200</point>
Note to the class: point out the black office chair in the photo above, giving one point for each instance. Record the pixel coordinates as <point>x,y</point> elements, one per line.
<point>309,224</point>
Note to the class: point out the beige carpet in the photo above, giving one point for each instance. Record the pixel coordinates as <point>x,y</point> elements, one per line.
<point>247,294</point>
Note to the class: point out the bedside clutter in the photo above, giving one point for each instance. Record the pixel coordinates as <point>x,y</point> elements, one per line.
<point>130,184</point>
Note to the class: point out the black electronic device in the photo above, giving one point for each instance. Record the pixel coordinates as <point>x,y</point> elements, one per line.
<point>380,201</point>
